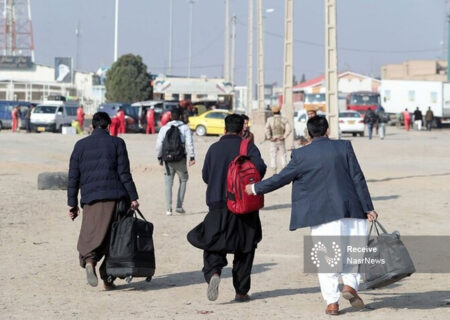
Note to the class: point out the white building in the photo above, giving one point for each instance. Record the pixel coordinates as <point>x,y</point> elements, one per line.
<point>37,83</point>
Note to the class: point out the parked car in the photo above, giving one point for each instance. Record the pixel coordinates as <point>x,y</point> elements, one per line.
<point>139,109</point>
<point>300,120</point>
<point>210,122</point>
<point>351,122</point>
<point>53,115</point>
<point>5,112</point>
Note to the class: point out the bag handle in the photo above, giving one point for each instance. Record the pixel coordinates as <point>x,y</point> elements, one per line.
<point>140,214</point>
<point>376,224</point>
<point>243,150</point>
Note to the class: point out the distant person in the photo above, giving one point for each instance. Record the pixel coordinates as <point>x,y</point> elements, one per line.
<point>28,118</point>
<point>165,148</point>
<point>307,138</point>
<point>330,196</point>
<point>80,116</point>
<point>406,119</point>
<point>383,119</point>
<point>114,127</point>
<point>165,118</point>
<point>418,118</point>
<point>277,130</point>
<point>371,120</point>
<point>100,169</point>
<point>15,115</point>
<point>223,232</point>
<point>121,121</point>
<point>429,117</point>
<point>150,117</point>
<point>246,134</point>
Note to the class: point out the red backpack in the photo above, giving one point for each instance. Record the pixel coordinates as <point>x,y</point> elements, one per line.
<point>242,172</point>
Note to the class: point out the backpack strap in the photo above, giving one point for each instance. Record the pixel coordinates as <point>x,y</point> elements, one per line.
<point>244,147</point>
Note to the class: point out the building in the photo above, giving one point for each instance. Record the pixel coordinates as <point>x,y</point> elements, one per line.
<point>427,70</point>
<point>193,89</point>
<point>36,83</point>
<point>347,82</point>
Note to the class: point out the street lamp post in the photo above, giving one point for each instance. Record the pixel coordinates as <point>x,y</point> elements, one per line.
<point>116,27</point>
<point>191,9</point>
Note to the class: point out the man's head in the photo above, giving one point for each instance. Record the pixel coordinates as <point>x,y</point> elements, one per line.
<point>429,108</point>
<point>406,109</point>
<point>101,120</point>
<point>311,113</point>
<point>175,114</point>
<point>276,110</point>
<point>234,124</point>
<point>417,108</point>
<point>246,119</point>
<point>317,126</point>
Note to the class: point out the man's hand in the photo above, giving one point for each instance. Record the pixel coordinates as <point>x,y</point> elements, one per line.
<point>73,212</point>
<point>134,204</point>
<point>191,163</point>
<point>248,189</point>
<point>372,215</point>
<point>273,139</point>
<point>281,138</point>
<point>160,162</point>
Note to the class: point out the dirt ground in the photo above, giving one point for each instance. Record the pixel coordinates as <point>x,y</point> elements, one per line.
<point>409,180</point>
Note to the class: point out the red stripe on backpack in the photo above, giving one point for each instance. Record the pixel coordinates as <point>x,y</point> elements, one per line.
<point>242,172</point>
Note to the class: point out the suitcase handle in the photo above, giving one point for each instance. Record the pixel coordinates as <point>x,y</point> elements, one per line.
<point>376,224</point>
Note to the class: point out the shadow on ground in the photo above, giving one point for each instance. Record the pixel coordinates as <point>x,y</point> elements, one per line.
<point>182,279</point>
<point>409,177</point>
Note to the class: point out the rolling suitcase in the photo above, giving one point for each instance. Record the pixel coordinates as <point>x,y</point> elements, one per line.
<point>131,251</point>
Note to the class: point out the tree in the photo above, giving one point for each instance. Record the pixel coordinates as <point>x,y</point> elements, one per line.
<point>128,80</point>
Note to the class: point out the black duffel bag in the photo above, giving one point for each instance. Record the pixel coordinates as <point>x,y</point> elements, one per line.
<point>390,249</point>
<point>131,251</point>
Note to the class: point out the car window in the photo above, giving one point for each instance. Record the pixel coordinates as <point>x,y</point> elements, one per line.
<point>216,115</point>
<point>349,115</point>
<point>60,109</point>
<point>71,111</point>
<point>45,109</point>
<point>303,117</point>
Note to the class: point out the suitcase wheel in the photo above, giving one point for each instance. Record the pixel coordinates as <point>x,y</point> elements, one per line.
<point>148,279</point>
<point>129,279</point>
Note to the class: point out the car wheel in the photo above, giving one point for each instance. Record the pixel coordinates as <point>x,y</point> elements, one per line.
<point>1,126</point>
<point>361,134</point>
<point>354,134</point>
<point>200,130</point>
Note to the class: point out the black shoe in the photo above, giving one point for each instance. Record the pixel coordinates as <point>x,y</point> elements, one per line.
<point>242,298</point>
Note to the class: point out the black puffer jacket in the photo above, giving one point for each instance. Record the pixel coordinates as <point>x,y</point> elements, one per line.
<point>100,168</point>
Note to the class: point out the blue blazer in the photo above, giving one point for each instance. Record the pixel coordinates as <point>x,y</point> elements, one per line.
<point>328,184</point>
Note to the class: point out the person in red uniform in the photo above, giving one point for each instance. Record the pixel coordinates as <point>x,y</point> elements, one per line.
<point>121,119</point>
<point>114,126</point>
<point>80,116</point>
<point>15,119</point>
<point>407,119</point>
<point>165,118</point>
<point>150,121</point>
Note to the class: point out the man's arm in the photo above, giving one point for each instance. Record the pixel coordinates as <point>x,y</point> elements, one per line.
<point>159,141</point>
<point>123,169</point>
<point>268,130</point>
<point>73,183</point>
<point>287,175</point>
<point>256,159</point>
<point>189,144</point>
<point>358,179</point>
<point>205,169</point>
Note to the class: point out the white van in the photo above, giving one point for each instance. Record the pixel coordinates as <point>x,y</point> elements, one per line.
<point>52,116</point>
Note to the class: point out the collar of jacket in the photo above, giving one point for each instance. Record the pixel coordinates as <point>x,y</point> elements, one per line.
<point>319,139</point>
<point>99,131</point>
<point>231,136</point>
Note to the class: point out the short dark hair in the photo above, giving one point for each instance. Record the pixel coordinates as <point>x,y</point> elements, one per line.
<point>234,123</point>
<point>317,126</point>
<point>245,117</point>
<point>176,113</point>
<point>101,120</point>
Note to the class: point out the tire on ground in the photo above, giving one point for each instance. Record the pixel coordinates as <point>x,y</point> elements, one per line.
<point>52,181</point>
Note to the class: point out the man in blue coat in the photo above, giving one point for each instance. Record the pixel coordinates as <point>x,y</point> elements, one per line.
<point>329,195</point>
<point>100,169</point>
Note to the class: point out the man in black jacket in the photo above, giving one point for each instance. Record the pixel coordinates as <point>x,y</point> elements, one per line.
<point>100,169</point>
<point>222,231</point>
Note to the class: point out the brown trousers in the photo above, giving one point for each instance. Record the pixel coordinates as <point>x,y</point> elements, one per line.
<point>94,236</point>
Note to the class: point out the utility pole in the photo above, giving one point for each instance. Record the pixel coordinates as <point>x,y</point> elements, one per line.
<point>169,68</point>
<point>331,76</point>
<point>288,105</point>
<point>250,58</point>
<point>448,44</point>
<point>191,8</point>
<point>233,56</point>
<point>78,35</point>
<point>116,27</point>
<point>261,100</point>
<point>226,65</point>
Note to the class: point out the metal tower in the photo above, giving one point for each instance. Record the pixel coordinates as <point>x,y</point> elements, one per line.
<point>16,35</point>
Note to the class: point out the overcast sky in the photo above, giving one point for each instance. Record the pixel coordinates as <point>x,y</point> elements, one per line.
<point>370,33</point>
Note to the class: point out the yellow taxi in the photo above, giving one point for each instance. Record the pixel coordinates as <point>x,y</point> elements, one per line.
<point>210,122</point>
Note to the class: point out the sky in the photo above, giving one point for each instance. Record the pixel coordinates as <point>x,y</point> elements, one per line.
<point>370,33</point>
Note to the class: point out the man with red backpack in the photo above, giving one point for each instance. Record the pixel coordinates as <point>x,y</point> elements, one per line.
<point>223,231</point>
